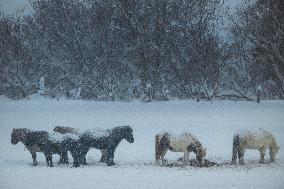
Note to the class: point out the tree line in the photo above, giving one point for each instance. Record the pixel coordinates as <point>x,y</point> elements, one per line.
<point>143,49</point>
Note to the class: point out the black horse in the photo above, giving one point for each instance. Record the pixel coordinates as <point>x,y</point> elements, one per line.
<point>22,135</point>
<point>106,140</point>
<point>53,143</point>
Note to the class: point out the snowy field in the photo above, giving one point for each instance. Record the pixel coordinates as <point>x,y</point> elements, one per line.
<point>213,123</point>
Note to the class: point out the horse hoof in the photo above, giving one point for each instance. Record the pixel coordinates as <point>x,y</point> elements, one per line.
<point>110,164</point>
<point>75,165</point>
<point>35,164</point>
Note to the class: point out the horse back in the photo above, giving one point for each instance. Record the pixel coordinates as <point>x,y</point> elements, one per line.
<point>36,138</point>
<point>255,139</point>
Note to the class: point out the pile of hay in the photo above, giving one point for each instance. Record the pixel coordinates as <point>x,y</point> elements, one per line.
<point>192,163</point>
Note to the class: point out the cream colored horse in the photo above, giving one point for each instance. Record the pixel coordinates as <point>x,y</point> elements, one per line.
<point>259,139</point>
<point>184,143</point>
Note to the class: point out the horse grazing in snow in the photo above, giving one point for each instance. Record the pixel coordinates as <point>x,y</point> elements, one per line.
<point>184,143</point>
<point>259,139</point>
<point>106,140</point>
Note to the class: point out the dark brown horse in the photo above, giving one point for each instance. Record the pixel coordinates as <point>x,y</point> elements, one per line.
<point>20,135</point>
<point>34,141</point>
<point>107,140</point>
<point>53,143</point>
<point>65,130</point>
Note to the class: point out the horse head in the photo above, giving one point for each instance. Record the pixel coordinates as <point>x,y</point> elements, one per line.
<point>123,132</point>
<point>198,149</point>
<point>19,135</point>
<point>202,152</point>
<point>57,129</point>
<point>128,134</point>
<point>162,143</point>
<point>274,150</point>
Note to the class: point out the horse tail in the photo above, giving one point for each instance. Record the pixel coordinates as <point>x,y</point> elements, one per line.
<point>236,148</point>
<point>157,147</point>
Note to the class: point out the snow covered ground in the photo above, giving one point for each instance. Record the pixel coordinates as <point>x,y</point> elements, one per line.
<point>213,123</point>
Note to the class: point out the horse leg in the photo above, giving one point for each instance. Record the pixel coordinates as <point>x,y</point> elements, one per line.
<point>46,159</point>
<point>262,154</point>
<point>83,156</point>
<point>35,163</point>
<point>236,146</point>
<point>185,156</point>
<point>61,160</point>
<point>76,157</point>
<point>103,157</point>
<point>65,158</point>
<point>163,153</point>
<point>241,153</point>
<point>76,160</point>
<point>234,155</point>
<point>50,160</point>
<point>272,156</point>
<point>109,157</point>
<point>84,159</point>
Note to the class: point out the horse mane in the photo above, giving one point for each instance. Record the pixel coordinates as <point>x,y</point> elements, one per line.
<point>25,130</point>
<point>162,141</point>
<point>122,129</point>
<point>273,142</point>
<point>20,134</point>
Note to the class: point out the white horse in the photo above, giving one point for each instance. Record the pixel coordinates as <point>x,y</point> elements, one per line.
<point>259,139</point>
<point>184,143</point>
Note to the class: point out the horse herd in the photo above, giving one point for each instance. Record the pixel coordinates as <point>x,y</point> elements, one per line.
<point>78,143</point>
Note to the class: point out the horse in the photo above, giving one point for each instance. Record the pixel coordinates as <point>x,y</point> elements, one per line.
<point>65,130</point>
<point>53,143</point>
<point>186,143</point>
<point>259,139</point>
<point>106,140</point>
<point>20,135</point>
